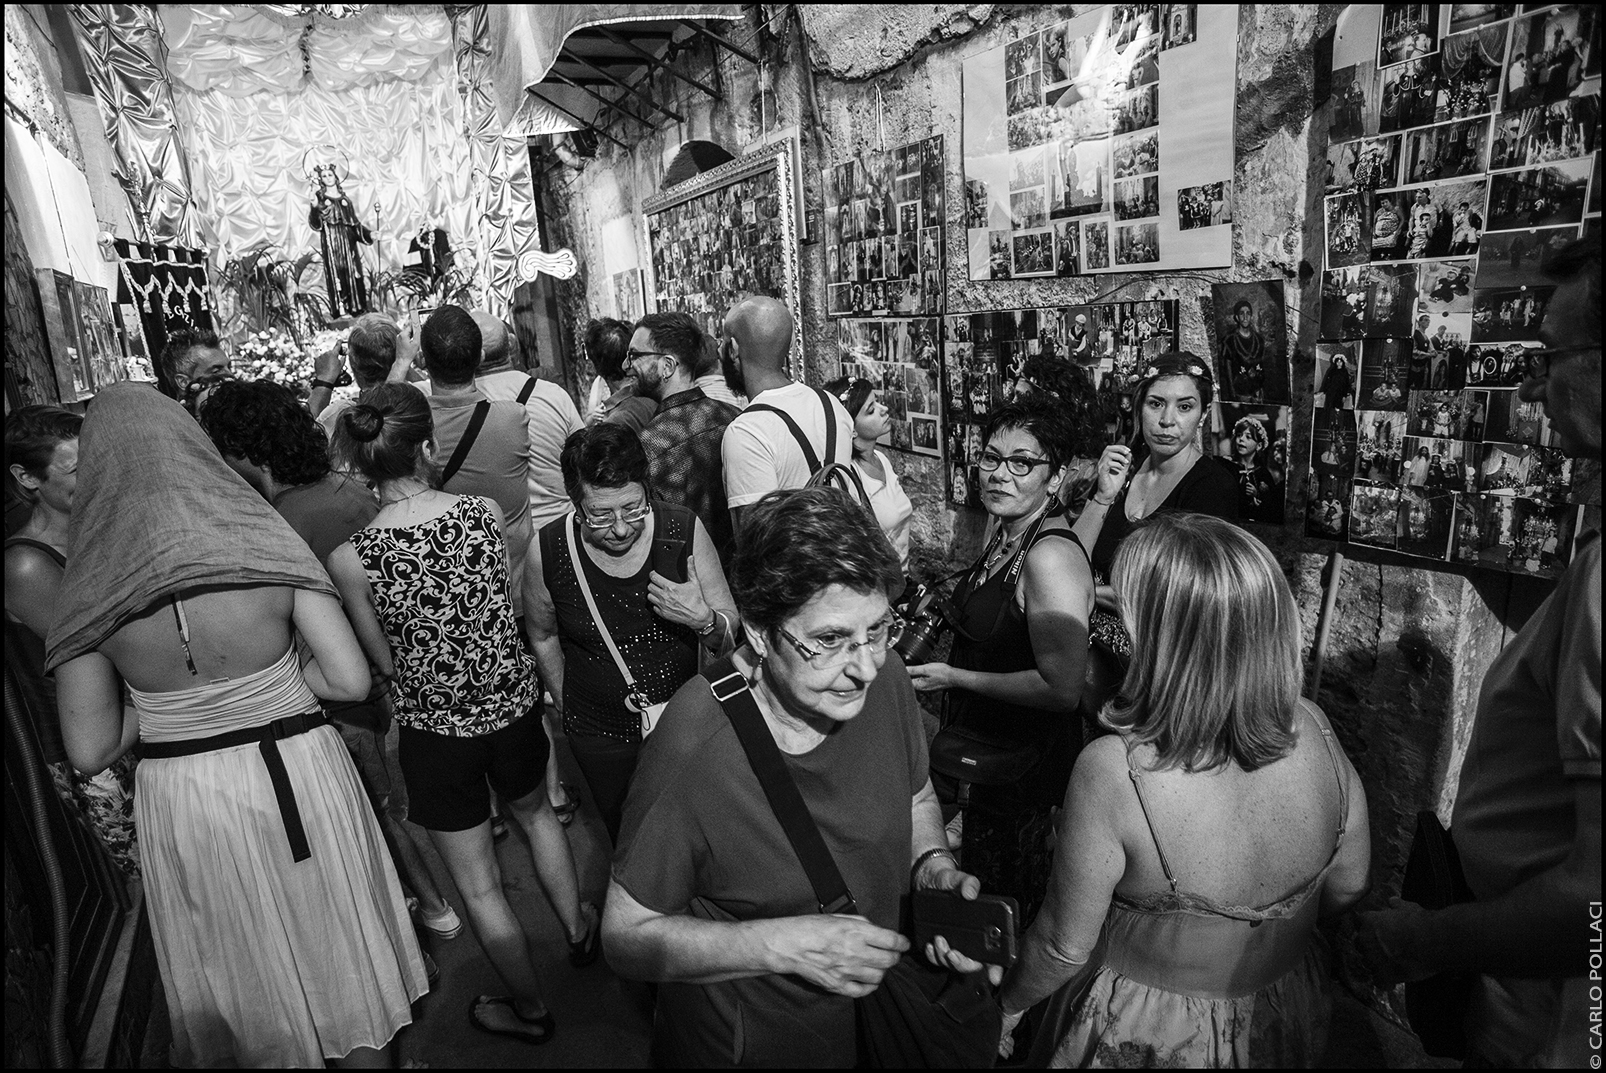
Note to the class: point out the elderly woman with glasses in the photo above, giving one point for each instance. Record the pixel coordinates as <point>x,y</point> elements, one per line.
<point>1017,671</point>
<point>708,896</point>
<point>613,634</point>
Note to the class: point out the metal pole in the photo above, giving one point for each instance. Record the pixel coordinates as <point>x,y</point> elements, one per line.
<point>607,105</point>
<point>655,61</point>
<point>1324,623</point>
<point>676,116</point>
<point>584,125</point>
<point>721,42</point>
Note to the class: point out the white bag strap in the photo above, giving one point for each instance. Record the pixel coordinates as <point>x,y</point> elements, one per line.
<point>570,524</point>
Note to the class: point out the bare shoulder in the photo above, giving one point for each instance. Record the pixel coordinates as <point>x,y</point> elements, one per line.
<point>1101,770</point>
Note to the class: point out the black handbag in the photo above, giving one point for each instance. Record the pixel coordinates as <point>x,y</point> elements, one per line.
<point>922,1015</point>
<point>1437,1007</point>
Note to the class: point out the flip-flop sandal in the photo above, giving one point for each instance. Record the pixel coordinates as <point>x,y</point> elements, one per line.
<point>541,1028</point>
<point>585,951</point>
<point>565,812</point>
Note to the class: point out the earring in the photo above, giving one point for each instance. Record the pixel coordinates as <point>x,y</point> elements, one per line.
<point>758,671</point>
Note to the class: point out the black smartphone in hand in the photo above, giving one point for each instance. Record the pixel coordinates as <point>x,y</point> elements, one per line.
<point>983,930</point>
<point>669,559</point>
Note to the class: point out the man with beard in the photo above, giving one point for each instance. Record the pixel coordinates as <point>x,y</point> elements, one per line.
<point>789,430</point>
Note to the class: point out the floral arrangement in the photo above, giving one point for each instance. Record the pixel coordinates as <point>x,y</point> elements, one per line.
<point>274,355</point>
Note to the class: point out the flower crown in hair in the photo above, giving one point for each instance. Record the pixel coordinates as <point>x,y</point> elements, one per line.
<point>1191,369</point>
<point>853,382</point>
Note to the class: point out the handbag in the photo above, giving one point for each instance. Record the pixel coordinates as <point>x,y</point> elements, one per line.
<point>1437,1007</point>
<point>843,479</point>
<point>922,1015</point>
<point>635,698</point>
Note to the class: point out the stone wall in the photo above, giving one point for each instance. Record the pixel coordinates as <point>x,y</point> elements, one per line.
<point>1409,643</point>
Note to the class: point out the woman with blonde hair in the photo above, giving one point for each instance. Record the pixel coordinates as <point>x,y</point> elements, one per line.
<point>1204,837</point>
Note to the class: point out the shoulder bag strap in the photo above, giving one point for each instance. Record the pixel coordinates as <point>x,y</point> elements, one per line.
<point>529,389</point>
<point>729,687</point>
<point>797,433</point>
<point>830,426</point>
<point>569,523</point>
<point>470,434</point>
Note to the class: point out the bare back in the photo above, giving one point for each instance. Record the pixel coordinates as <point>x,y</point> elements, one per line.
<point>233,631</point>
<point>1244,838</point>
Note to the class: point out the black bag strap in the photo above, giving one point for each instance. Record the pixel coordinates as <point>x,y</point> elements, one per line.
<point>830,426</point>
<point>729,687</point>
<point>529,389</point>
<point>797,433</point>
<point>460,455</point>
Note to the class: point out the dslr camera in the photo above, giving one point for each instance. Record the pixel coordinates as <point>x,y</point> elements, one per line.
<point>927,615</point>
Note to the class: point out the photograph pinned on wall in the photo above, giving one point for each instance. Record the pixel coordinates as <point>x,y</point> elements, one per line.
<point>1469,73</point>
<point>1515,469</point>
<point>1023,94</point>
<point>1510,533</point>
<point>1444,286</point>
<point>1438,465</point>
<point>1441,220</point>
<point>1391,299</point>
<point>1379,446</point>
<point>1446,151</point>
<point>1471,16</point>
<point>1067,248</point>
<point>1209,205</point>
<point>1439,352</point>
<point>1000,255</point>
<point>1136,109</point>
<point>1345,293</point>
<point>1251,341</point>
<point>1137,199</point>
<point>1356,102</point>
<point>1546,196</point>
<point>1566,130</point>
<point>1511,420</point>
<point>1096,244</point>
<point>1026,168</point>
<point>1179,25</point>
<point>1409,97</point>
<point>1409,32</point>
<point>1425,523</point>
<point>1327,506</point>
<point>1337,373</point>
<point>1137,244</point>
<point>1372,515</point>
<point>1439,414</point>
<point>1385,364</point>
<point>1552,52</point>
<point>1027,210</point>
<point>1364,164</point>
<point>1253,441</point>
<point>976,204</point>
<point>1136,154</point>
<point>1516,258</point>
<point>1078,178</point>
<point>1033,253</point>
<point>1349,238</point>
<point>1498,364</point>
<point>1508,315</point>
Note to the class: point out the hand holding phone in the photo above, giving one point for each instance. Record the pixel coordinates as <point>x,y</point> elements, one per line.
<point>983,929</point>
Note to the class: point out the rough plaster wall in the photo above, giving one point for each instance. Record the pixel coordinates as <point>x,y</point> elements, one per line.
<point>1409,645</point>
<point>33,79</point>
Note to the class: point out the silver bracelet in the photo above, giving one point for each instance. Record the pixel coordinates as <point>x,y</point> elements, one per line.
<point>920,861</point>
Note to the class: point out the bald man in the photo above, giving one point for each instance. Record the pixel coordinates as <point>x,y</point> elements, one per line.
<point>789,430</point>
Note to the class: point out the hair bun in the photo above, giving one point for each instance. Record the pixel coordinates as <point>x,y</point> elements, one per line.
<point>364,422</point>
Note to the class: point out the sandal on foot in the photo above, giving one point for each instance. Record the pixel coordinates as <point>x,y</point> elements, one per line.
<point>532,1030</point>
<point>585,951</point>
<point>565,812</point>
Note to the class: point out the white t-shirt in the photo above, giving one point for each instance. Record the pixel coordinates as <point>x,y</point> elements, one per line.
<point>553,419</point>
<point>891,505</point>
<point>760,453</point>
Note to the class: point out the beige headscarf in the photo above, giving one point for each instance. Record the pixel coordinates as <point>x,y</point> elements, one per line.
<point>157,511</point>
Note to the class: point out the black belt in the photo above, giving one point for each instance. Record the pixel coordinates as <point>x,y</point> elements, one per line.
<point>266,737</point>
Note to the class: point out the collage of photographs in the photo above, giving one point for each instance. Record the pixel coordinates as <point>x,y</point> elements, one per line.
<point>989,356</point>
<point>1459,156</point>
<point>884,217</point>
<point>711,250</point>
<point>902,357</point>
<point>1075,185</point>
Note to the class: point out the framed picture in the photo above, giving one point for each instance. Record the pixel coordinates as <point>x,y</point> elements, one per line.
<point>725,235</point>
<point>58,299</point>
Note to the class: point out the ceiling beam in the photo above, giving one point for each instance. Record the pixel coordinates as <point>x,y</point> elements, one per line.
<point>642,94</point>
<point>657,63</point>
<point>592,127</point>
<point>720,42</point>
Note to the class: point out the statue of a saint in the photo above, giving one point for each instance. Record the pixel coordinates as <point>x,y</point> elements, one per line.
<point>335,218</point>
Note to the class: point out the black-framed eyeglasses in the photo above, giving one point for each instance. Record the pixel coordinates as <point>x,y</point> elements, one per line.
<point>629,516</point>
<point>632,356</point>
<point>1537,360</point>
<point>827,655</point>
<point>1019,465</point>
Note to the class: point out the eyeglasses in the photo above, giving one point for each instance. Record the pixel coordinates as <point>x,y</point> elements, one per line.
<point>1538,360</point>
<point>632,356</point>
<point>1019,465</point>
<point>827,655</point>
<point>632,516</point>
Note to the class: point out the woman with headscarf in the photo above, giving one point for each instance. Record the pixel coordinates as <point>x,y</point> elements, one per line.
<point>279,924</point>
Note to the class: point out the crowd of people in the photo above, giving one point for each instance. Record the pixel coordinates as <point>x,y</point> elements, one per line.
<point>699,585</point>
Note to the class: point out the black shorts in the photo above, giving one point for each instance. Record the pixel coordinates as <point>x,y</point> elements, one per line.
<point>449,779</point>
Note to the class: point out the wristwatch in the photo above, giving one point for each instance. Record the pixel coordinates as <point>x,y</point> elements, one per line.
<point>713,624</point>
<point>340,381</point>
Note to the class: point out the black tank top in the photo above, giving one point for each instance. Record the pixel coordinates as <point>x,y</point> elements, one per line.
<point>661,654</point>
<point>25,654</point>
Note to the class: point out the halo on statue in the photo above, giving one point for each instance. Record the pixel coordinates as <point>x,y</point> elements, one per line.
<point>318,157</point>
